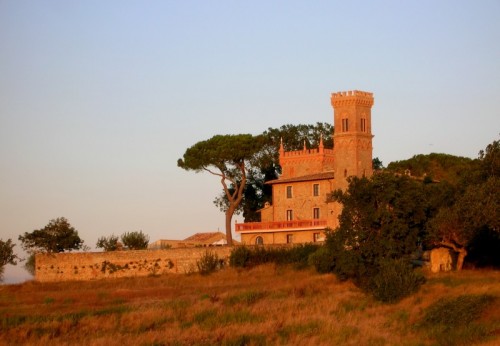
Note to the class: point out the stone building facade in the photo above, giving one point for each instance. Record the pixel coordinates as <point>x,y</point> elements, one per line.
<point>299,212</point>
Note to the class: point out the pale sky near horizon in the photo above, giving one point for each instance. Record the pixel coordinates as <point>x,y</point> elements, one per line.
<point>98,99</point>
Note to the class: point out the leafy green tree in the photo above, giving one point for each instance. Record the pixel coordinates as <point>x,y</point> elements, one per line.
<point>265,166</point>
<point>29,265</point>
<point>382,220</point>
<point>108,243</point>
<point>377,164</point>
<point>438,167</point>
<point>475,208</point>
<point>7,255</point>
<point>226,157</point>
<point>135,240</point>
<point>57,236</point>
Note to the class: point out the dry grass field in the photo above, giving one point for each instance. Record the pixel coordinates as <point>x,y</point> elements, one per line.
<point>266,305</point>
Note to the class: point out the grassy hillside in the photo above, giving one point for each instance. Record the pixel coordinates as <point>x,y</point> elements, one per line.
<point>267,305</point>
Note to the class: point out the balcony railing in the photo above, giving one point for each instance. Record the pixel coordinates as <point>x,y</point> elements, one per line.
<point>280,225</point>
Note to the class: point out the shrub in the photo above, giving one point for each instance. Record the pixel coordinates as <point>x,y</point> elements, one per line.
<point>135,240</point>
<point>297,255</point>
<point>208,263</point>
<point>239,257</point>
<point>322,260</point>
<point>394,280</point>
<point>108,243</point>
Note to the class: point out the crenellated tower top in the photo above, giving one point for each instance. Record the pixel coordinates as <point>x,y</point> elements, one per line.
<point>352,97</point>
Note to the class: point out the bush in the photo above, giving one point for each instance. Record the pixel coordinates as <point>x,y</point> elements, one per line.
<point>394,280</point>
<point>297,255</point>
<point>322,260</point>
<point>135,240</point>
<point>239,257</point>
<point>108,243</point>
<point>209,263</point>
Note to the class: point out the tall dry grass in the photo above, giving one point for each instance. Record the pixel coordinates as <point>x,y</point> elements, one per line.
<point>267,305</point>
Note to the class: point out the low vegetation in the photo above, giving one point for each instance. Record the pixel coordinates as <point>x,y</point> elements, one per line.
<point>263,305</point>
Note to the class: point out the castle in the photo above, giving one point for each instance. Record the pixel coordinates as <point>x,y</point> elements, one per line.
<point>299,212</point>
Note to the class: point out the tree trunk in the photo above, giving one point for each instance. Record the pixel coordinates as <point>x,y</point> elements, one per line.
<point>229,217</point>
<point>462,252</point>
<point>461,257</point>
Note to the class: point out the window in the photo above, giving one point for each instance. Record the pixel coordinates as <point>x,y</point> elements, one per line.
<point>345,173</point>
<point>289,215</point>
<point>289,238</point>
<point>315,237</point>
<point>345,125</point>
<point>259,240</point>
<point>363,125</point>
<point>288,192</point>
<point>316,190</point>
<point>316,213</point>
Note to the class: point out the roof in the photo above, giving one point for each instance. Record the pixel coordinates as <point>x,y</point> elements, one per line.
<point>206,237</point>
<point>310,177</point>
<point>198,239</point>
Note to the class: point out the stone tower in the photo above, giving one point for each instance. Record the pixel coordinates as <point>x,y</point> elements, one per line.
<point>352,140</point>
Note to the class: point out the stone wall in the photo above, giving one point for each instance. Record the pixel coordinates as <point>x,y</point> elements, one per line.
<point>116,264</point>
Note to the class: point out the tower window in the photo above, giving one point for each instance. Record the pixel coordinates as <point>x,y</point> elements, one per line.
<point>289,215</point>
<point>345,173</point>
<point>345,125</point>
<point>316,190</point>
<point>289,238</point>
<point>363,125</point>
<point>288,192</point>
<point>316,213</point>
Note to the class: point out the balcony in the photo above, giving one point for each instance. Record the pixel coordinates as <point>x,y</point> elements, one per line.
<point>280,226</point>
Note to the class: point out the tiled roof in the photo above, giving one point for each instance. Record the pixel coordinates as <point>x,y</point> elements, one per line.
<point>207,236</point>
<point>317,176</point>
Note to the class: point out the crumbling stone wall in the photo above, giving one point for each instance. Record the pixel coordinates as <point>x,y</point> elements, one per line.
<point>116,264</point>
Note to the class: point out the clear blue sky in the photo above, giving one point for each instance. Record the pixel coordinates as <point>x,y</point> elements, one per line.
<point>98,99</point>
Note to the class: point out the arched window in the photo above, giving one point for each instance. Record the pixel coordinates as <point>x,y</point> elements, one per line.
<point>259,240</point>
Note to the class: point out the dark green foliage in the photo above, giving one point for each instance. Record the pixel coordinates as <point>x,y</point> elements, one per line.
<point>57,236</point>
<point>239,257</point>
<point>322,260</point>
<point>297,255</point>
<point>108,243</point>
<point>472,211</point>
<point>435,166</point>
<point>382,217</point>
<point>455,321</point>
<point>484,248</point>
<point>380,225</point>
<point>7,255</point>
<point>30,263</point>
<point>209,263</point>
<point>264,165</point>
<point>135,240</point>
<point>377,165</point>
<point>227,157</point>
<point>394,280</point>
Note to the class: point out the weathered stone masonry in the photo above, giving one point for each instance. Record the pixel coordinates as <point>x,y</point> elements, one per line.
<point>116,264</point>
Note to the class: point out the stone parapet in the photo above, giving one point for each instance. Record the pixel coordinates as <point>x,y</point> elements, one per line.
<point>352,97</point>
